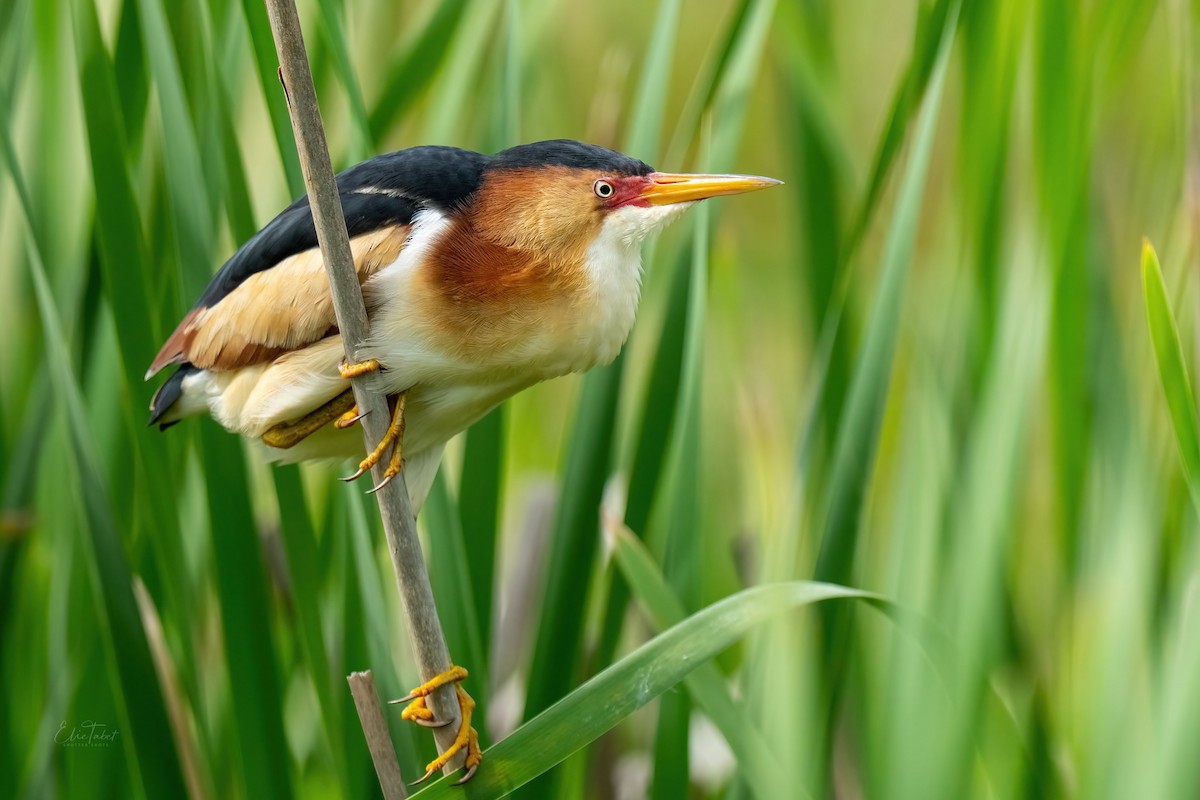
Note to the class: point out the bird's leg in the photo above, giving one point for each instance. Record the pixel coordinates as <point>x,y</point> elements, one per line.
<point>417,711</point>
<point>349,371</point>
<point>287,434</point>
<point>392,438</point>
<point>341,411</point>
<point>396,462</point>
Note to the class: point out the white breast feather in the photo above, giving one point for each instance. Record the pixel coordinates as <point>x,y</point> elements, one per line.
<point>614,262</point>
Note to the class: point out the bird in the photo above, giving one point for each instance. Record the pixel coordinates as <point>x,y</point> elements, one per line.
<point>482,275</point>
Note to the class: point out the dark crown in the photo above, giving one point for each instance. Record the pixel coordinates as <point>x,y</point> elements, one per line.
<point>568,153</point>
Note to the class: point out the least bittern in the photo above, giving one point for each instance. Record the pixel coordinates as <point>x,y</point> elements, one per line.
<point>482,276</point>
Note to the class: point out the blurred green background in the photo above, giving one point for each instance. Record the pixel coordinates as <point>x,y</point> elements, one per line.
<point>922,367</point>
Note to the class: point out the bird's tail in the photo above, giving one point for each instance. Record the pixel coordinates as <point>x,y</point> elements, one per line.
<point>167,396</point>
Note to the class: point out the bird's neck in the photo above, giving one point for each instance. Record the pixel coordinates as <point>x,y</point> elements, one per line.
<point>613,263</point>
<point>560,311</point>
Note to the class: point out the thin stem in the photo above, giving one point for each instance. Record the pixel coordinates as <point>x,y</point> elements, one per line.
<point>375,729</point>
<point>399,523</point>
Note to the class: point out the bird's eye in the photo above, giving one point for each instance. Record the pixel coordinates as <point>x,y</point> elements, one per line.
<point>603,189</point>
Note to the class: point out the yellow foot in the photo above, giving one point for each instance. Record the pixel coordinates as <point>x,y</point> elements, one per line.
<point>288,434</point>
<point>349,418</point>
<point>392,438</point>
<point>395,464</point>
<point>349,371</point>
<point>467,739</point>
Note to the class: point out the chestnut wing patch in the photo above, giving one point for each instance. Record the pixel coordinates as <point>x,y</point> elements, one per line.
<point>275,310</point>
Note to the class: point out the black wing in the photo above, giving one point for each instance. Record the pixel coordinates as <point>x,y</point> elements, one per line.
<point>386,190</point>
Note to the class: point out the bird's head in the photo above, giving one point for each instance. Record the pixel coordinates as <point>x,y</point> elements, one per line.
<point>541,260</point>
<point>561,196</point>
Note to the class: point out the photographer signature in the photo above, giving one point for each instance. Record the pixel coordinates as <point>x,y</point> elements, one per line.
<point>88,733</point>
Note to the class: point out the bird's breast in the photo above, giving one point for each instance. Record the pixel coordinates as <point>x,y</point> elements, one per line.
<point>459,310</point>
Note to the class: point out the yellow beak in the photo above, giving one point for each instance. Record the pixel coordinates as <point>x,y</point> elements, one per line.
<point>666,187</point>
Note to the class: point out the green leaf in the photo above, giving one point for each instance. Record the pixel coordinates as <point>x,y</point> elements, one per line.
<point>482,483</point>
<point>645,127</point>
<point>1168,355</point>
<point>828,381</point>
<point>685,541</point>
<point>261,751</point>
<point>118,223</point>
<point>819,154</point>
<point>935,26</point>
<point>858,435</point>
<point>268,76</point>
<point>192,204</point>
<point>653,436</point>
<point>457,82</point>
<point>705,87</point>
<point>602,702</point>
<point>362,146</point>
<point>453,588</point>
<point>656,419</point>
<point>573,553</point>
<point>304,570</point>
<point>416,68</point>
<point>126,280</point>
<point>245,619</point>
<point>706,685</point>
<point>366,612</point>
<point>139,696</point>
